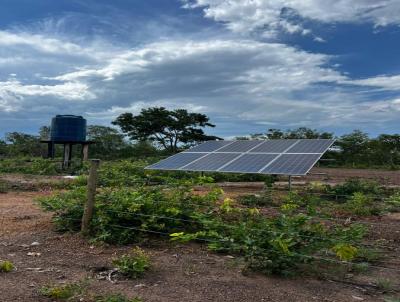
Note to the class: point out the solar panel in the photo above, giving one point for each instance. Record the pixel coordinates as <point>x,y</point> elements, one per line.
<point>310,146</point>
<point>209,146</point>
<point>176,161</point>
<point>291,164</point>
<point>240,146</point>
<point>211,162</point>
<point>275,146</point>
<point>248,163</point>
<point>281,156</point>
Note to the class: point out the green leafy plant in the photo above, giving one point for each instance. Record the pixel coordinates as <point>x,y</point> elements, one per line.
<point>345,251</point>
<point>362,205</point>
<point>357,185</point>
<point>134,264</point>
<point>384,284</point>
<point>6,266</point>
<point>392,203</point>
<point>63,292</point>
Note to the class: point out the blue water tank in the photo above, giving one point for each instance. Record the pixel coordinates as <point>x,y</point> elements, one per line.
<point>71,128</point>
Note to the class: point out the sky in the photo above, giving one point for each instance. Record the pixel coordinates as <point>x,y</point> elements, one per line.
<point>250,65</point>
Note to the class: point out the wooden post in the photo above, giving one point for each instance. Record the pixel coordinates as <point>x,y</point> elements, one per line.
<point>85,151</point>
<point>290,183</point>
<point>66,157</point>
<point>91,192</point>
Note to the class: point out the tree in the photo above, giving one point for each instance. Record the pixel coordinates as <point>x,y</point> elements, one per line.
<point>304,132</point>
<point>168,128</point>
<point>108,141</point>
<point>22,144</point>
<point>388,149</point>
<point>354,147</point>
<point>3,148</point>
<point>44,132</point>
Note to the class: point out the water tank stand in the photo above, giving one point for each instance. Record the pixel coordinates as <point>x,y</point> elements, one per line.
<point>67,150</point>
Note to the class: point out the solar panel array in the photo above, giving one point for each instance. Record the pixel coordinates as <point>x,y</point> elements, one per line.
<point>281,156</point>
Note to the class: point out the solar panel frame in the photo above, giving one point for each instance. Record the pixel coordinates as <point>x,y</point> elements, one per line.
<point>296,162</point>
<point>209,146</point>
<point>274,146</point>
<point>230,153</point>
<point>310,146</point>
<point>165,163</point>
<point>257,159</point>
<point>211,162</point>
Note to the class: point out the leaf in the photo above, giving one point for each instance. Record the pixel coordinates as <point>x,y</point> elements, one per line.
<point>345,252</point>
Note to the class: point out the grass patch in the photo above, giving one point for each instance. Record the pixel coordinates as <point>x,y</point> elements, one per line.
<point>6,266</point>
<point>134,264</point>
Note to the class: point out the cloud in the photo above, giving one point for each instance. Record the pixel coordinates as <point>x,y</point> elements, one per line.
<point>242,84</point>
<point>273,16</point>
<point>383,82</point>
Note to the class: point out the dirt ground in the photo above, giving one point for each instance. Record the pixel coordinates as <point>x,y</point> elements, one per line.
<point>179,272</point>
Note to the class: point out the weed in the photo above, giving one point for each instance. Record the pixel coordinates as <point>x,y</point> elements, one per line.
<point>383,284</point>
<point>63,292</point>
<point>357,185</point>
<point>6,266</point>
<point>362,205</point>
<point>393,202</point>
<point>134,264</point>
<point>368,254</point>
<point>4,186</point>
<point>256,199</point>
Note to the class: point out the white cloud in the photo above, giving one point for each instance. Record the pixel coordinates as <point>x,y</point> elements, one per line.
<point>242,84</point>
<point>273,15</point>
<point>383,81</point>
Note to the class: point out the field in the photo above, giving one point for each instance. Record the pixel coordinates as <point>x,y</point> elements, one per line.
<point>353,254</point>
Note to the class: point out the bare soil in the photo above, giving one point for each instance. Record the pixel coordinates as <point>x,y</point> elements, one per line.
<point>179,272</point>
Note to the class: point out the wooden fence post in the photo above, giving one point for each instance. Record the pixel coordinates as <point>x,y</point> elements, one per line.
<point>91,192</point>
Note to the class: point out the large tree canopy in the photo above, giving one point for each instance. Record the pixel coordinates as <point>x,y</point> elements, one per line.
<point>168,128</point>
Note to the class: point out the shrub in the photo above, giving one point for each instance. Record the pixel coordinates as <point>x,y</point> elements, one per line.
<point>263,199</point>
<point>362,205</point>
<point>277,245</point>
<point>357,185</point>
<point>6,266</point>
<point>143,209</point>
<point>4,186</point>
<point>63,292</point>
<point>393,202</point>
<point>134,264</point>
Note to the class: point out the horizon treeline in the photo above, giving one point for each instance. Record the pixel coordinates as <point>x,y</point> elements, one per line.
<point>355,149</point>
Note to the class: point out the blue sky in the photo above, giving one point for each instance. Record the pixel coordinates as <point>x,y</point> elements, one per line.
<point>249,65</point>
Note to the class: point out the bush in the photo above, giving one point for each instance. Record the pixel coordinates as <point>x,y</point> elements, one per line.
<point>263,199</point>
<point>362,205</point>
<point>393,202</point>
<point>356,185</point>
<point>117,211</point>
<point>6,266</point>
<point>38,166</point>
<point>134,264</point>
<point>63,292</point>
<point>277,245</point>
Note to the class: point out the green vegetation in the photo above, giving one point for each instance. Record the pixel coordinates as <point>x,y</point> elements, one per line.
<point>384,284</point>
<point>134,264</point>
<point>117,298</point>
<point>78,291</point>
<point>6,266</point>
<point>65,292</point>
<point>167,128</point>
<point>280,244</point>
<point>357,185</point>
